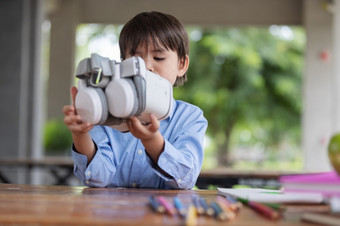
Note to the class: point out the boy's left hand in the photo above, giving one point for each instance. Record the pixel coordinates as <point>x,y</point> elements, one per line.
<point>143,132</point>
<point>150,136</point>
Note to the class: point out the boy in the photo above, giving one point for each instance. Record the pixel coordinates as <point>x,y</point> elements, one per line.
<point>165,154</point>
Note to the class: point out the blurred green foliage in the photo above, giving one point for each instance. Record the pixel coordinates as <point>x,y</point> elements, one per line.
<point>57,137</point>
<point>248,83</point>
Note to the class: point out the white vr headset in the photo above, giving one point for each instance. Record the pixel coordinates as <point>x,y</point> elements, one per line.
<point>110,92</point>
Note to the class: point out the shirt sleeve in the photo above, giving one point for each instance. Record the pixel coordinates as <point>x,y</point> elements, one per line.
<point>101,170</point>
<point>183,153</point>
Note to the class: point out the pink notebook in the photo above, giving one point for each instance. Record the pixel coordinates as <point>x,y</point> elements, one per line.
<point>327,183</point>
<point>325,177</point>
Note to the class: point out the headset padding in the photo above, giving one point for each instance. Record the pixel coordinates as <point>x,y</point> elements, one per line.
<point>135,97</point>
<point>140,85</point>
<point>105,111</point>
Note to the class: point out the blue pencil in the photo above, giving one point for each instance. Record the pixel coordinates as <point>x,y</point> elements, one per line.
<point>207,209</point>
<point>197,204</point>
<point>156,206</point>
<point>226,207</point>
<point>179,206</point>
<point>235,203</point>
<point>219,212</point>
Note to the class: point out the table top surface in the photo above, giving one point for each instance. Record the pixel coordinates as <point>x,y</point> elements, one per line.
<point>37,204</point>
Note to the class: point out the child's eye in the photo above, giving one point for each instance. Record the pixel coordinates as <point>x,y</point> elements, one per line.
<point>158,58</point>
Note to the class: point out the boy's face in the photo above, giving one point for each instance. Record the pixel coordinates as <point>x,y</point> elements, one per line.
<point>161,61</point>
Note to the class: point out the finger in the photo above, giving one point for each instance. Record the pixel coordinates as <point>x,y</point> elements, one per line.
<point>128,123</point>
<point>86,127</point>
<point>68,109</point>
<point>132,122</point>
<point>74,92</point>
<point>80,128</point>
<point>72,119</point>
<point>154,126</point>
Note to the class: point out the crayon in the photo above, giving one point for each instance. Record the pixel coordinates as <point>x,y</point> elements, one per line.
<point>239,204</point>
<point>199,208</point>
<point>262,209</point>
<point>226,202</point>
<point>156,206</point>
<point>179,206</point>
<point>168,207</point>
<point>191,217</point>
<point>207,209</point>
<point>234,202</point>
<point>219,212</point>
<point>274,206</point>
<point>229,213</point>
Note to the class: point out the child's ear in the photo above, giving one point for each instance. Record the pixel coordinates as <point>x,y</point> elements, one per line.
<point>183,66</point>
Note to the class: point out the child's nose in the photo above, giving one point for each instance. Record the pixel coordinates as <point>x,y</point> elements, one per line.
<point>148,64</point>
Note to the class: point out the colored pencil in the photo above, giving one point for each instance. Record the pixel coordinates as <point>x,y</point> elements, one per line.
<point>219,212</point>
<point>274,206</point>
<point>229,212</point>
<point>262,209</point>
<point>191,217</point>
<point>227,203</point>
<point>199,208</point>
<point>237,204</point>
<point>168,207</point>
<point>156,206</point>
<point>179,206</point>
<point>207,209</point>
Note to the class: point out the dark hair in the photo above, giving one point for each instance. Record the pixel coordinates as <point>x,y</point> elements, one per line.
<point>158,29</point>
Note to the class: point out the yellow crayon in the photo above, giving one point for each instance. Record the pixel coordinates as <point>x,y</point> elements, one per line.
<point>191,218</point>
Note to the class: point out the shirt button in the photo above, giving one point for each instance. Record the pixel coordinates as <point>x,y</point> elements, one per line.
<point>87,182</point>
<point>88,173</point>
<point>140,152</point>
<point>179,180</point>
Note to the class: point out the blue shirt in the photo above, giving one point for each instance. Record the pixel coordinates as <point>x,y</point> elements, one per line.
<point>121,159</point>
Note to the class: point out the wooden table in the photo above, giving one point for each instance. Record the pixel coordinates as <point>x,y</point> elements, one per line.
<point>65,205</point>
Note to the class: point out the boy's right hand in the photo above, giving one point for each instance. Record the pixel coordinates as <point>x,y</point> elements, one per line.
<point>72,120</point>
